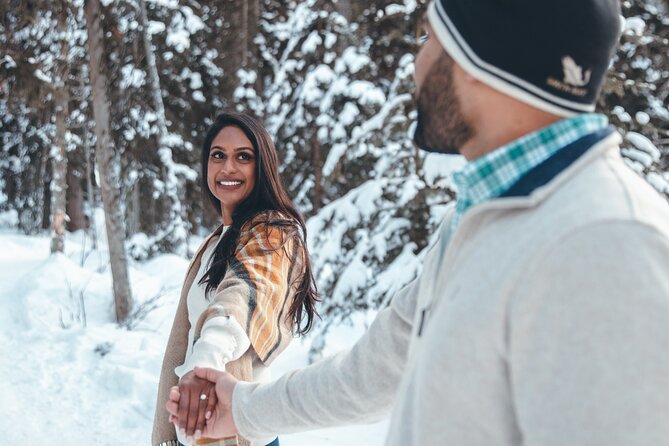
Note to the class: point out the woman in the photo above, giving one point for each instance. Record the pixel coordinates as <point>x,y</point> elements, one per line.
<point>248,287</point>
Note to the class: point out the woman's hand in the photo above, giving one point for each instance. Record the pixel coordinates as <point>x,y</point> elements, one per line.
<point>196,400</point>
<point>218,415</point>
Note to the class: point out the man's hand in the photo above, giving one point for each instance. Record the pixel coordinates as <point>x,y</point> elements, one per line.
<point>195,398</point>
<point>219,422</point>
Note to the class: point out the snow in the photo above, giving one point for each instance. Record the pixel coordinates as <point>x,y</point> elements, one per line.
<point>402,270</point>
<point>407,8</point>
<point>194,78</point>
<point>621,114</point>
<point>349,114</point>
<point>91,381</point>
<point>354,276</point>
<point>247,77</point>
<point>8,61</point>
<point>659,182</point>
<point>639,156</point>
<point>634,165</point>
<point>179,39</point>
<point>366,93</point>
<point>156,27</point>
<point>330,40</point>
<point>641,63</point>
<point>126,24</point>
<point>438,168</point>
<point>138,247</point>
<point>323,74</point>
<point>39,74</point>
<point>182,27</point>
<point>642,118</point>
<point>354,60</point>
<point>643,143</point>
<point>634,25</point>
<point>169,4</point>
<point>132,77</point>
<point>193,22</point>
<point>199,96</point>
<point>312,42</point>
<point>129,134</point>
<point>9,219</point>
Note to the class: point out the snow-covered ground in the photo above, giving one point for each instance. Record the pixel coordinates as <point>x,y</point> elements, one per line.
<point>96,384</point>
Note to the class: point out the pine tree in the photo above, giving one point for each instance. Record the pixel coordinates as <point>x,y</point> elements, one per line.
<point>176,230</point>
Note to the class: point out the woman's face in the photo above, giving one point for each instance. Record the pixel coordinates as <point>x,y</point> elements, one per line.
<point>231,169</point>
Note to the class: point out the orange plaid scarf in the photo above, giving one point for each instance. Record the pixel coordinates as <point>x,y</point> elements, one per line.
<point>257,289</point>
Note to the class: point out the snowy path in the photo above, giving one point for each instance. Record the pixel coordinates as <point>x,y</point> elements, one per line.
<point>49,398</point>
<point>33,379</point>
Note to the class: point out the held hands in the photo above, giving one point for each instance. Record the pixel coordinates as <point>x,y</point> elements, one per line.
<point>195,398</point>
<point>197,416</point>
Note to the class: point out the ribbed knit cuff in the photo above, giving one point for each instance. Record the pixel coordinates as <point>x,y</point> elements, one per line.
<point>222,340</point>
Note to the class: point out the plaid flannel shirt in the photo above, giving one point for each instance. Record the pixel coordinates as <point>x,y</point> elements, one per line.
<point>494,173</point>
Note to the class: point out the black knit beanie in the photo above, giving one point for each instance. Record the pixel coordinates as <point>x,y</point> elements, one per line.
<point>552,55</point>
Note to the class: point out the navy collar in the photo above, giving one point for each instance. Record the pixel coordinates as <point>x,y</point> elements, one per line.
<point>550,168</point>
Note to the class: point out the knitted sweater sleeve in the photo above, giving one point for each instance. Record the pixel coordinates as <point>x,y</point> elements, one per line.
<point>222,340</point>
<point>355,386</point>
<point>588,336</point>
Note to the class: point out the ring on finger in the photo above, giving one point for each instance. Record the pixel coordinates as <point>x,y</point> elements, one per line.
<point>203,396</point>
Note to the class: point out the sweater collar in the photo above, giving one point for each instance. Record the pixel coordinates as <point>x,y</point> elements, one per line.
<point>493,174</point>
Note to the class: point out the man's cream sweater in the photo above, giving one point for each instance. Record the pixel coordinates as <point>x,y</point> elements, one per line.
<point>543,320</point>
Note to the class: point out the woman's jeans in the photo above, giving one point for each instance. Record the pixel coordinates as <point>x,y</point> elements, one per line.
<point>273,443</point>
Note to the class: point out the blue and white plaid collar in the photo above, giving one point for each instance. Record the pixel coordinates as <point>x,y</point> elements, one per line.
<point>491,175</point>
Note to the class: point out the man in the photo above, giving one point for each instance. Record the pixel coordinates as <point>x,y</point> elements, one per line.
<point>541,316</point>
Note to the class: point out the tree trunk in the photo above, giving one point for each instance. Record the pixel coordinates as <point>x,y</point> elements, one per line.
<point>154,80</point>
<point>75,200</point>
<point>133,210</point>
<point>59,150</point>
<point>252,17</point>
<point>43,194</point>
<point>344,8</point>
<point>108,165</point>
<point>235,39</point>
<point>90,195</point>
<point>249,28</point>
<point>353,11</point>
<point>318,173</point>
<point>59,179</point>
<point>176,228</point>
<point>234,35</point>
<point>245,33</point>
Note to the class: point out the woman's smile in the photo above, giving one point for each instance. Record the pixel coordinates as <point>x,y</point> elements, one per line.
<point>229,185</point>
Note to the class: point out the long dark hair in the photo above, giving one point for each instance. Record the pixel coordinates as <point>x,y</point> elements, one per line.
<point>268,194</point>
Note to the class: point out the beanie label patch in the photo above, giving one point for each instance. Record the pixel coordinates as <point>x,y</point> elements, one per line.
<point>574,78</point>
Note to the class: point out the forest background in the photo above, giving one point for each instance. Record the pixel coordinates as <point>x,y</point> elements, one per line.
<point>105,103</point>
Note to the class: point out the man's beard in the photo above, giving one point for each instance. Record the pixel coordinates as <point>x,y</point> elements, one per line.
<point>441,126</point>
